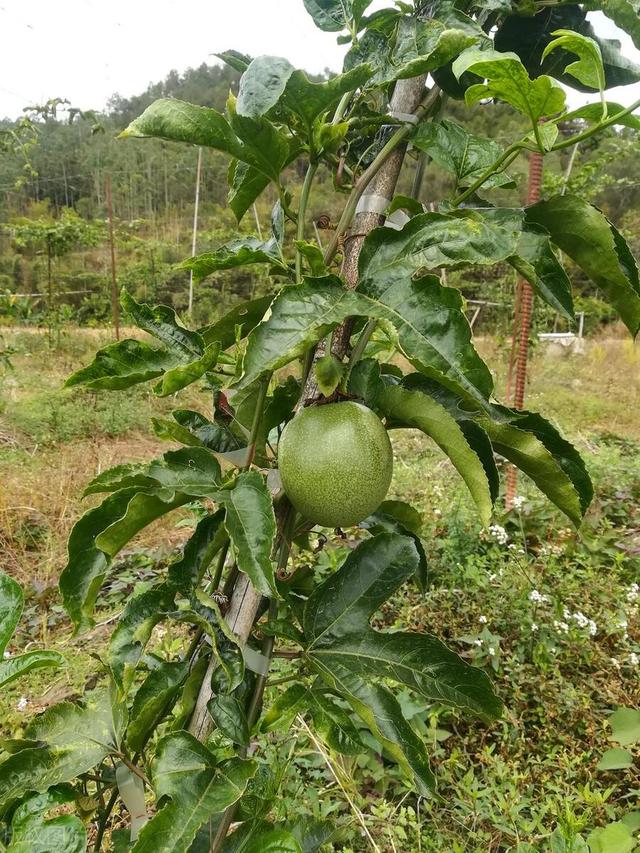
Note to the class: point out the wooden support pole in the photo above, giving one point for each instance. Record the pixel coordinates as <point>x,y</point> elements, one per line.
<point>115,302</point>
<point>194,234</point>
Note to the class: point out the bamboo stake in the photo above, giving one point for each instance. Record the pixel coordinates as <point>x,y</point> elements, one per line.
<point>194,235</point>
<point>115,303</point>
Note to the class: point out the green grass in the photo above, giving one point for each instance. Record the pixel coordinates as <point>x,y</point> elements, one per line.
<point>526,783</point>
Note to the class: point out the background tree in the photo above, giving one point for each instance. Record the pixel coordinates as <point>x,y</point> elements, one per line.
<point>322,347</point>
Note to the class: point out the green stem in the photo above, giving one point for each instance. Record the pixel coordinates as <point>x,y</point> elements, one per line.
<point>285,207</point>
<point>231,580</point>
<point>358,350</point>
<point>285,680</point>
<point>255,424</point>
<point>418,178</point>
<point>251,451</point>
<point>267,651</point>
<point>341,108</point>
<point>538,138</point>
<point>103,820</point>
<point>215,580</point>
<point>605,107</point>
<point>361,343</point>
<point>358,191</point>
<point>372,170</point>
<point>302,209</point>
<point>308,364</point>
<point>572,140</point>
<point>512,151</point>
<point>505,159</point>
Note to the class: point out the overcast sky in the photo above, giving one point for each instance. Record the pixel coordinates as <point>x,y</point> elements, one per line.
<point>86,50</point>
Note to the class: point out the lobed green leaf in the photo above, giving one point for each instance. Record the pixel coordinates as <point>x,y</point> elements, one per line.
<point>33,832</point>
<point>464,154</point>
<point>122,365</point>
<point>237,323</point>
<point>71,740</point>
<point>251,525</point>
<point>230,717</point>
<point>141,614</point>
<point>529,42</point>
<point>195,787</point>
<point>423,318</point>
<point>507,80</point>
<point>207,539</point>
<point>587,236</point>
<point>179,377</point>
<point>339,636</point>
<point>237,253</point>
<point>589,68</point>
<point>161,322</point>
<point>158,689</point>
<point>19,665</point>
<point>413,409</point>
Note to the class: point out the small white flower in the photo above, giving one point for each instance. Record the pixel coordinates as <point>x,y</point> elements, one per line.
<point>499,534</point>
<point>634,659</point>
<point>482,620</point>
<point>492,577</point>
<point>622,623</point>
<point>553,650</point>
<point>520,551</point>
<point>581,619</point>
<point>566,614</point>
<point>437,512</point>
<point>491,651</point>
<point>538,597</point>
<point>477,642</point>
<point>561,626</point>
<point>615,662</point>
<point>518,502</point>
<point>633,593</point>
<point>22,703</point>
<point>7,655</point>
<point>534,627</point>
<point>512,546</point>
<point>593,628</point>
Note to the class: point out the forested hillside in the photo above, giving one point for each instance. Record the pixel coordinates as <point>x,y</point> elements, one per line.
<point>54,164</point>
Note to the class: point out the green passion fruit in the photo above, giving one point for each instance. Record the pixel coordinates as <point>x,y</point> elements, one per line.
<point>335,463</point>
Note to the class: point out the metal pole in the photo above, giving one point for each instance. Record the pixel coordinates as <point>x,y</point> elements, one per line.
<point>115,304</point>
<point>195,228</point>
<point>522,324</point>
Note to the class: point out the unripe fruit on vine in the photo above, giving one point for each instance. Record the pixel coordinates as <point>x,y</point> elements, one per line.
<point>335,463</point>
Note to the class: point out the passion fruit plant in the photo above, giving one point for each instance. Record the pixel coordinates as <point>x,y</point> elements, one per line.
<point>170,736</point>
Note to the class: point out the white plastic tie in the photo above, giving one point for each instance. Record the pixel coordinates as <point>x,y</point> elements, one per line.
<point>397,220</point>
<point>132,793</point>
<point>405,118</point>
<point>255,661</point>
<point>372,203</point>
